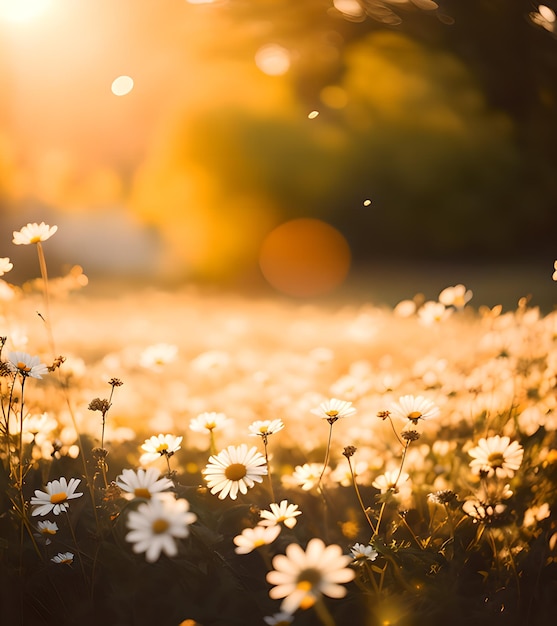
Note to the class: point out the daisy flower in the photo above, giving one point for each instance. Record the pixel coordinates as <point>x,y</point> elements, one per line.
<point>33,233</point>
<point>496,456</point>
<point>280,513</point>
<point>63,557</point>
<point>5,265</point>
<point>457,296</point>
<point>414,408</point>
<point>56,496</point>
<point>158,355</point>
<point>333,409</point>
<point>433,313</point>
<point>361,553</point>
<point>252,538</point>
<point>208,421</point>
<point>390,480</point>
<point>302,577</point>
<point>26,365</point>
<point>143,483</point>
<point>159,445</point>
<point>264,428</point>
<point>279,619</point>
<point>307,476</point>
<point>156,524</point>
<point>235,469</point>
<point>46,530</point>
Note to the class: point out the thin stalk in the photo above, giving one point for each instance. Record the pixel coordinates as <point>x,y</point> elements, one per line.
<point>265,443</point>
<point>327,452</point>
<point>46,295</point>
<point>359,496</point>
<point>323,613</point>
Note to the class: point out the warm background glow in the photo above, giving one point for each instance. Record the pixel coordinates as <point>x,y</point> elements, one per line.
<point>305,257</point>
<point>170,141</point>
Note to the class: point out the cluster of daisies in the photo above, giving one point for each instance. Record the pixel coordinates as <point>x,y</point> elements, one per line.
<point>479,433</point>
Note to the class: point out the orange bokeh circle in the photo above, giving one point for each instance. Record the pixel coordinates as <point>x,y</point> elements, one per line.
<point>305,257</point>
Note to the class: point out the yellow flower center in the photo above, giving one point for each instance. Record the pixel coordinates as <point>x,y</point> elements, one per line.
<point>332,413</point>
<point>22,367</point>
<point>414,415</point>
<point>160,526</point>
<point>142,492</point>
<point>162,447</point>
<point>496,459</point>
<point>263,429</point>
<point>48,531</point>
<point>235,471</point>
<point>258,543</point>
<point>56,498</point>
<point>35,239</point>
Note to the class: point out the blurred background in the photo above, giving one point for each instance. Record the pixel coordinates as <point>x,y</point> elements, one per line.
<point>381,147</point>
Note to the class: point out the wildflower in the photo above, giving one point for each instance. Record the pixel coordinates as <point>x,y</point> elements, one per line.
<point>333,409</point>
<point>496,456</point>
<point>5,265</point>
<point>26,365</point>
<point>143,483</point>
<point>389,481</point>
<point>279,619</point>
<point>457,296</point>
<point>361,553</point>
<point>302,577</point>
<point>433,313</point>
<point>33,233</point>
<point>280,513</point>
<point>264,428</point>
<point>158,355</point>
<point>414,408</point>
<point>63,557</point>
<point>484,512</point>
<point>56,496</point>
<point>307,476</point>
<point>160,445</point>
<point>252,538</point>
<point>208,421</point>
<point>234,469</point>
<point>156,524</point>
<point>443,497</point>
<point>46,530</point>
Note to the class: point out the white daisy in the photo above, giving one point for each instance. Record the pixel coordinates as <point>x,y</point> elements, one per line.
<point>208,421</point>
<point>264,428</point>
<point>5,265</point>
<point>63,557</point>
<point>301,577</point>
<point>158,355</point>
<point>496,456</point>
<point>56,496</point>
<point>26,365</point>
<point>361,553</point>
<point>390,480</point>
<point>252,538</point>
<point>307,476</point>
<point>235,469</point>
<point>414,408</point>
<point>159,445</point>
<point>280,513</point>
<point>457,296</point>
<point>46,530</point>
<point>333,409</point>
<point>156,524</point>
<point>33,233</point>
<point>143,483</point>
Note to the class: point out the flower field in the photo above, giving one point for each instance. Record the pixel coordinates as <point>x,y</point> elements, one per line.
<point>197,458</point>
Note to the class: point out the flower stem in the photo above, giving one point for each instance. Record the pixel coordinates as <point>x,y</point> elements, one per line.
<point>46,296</point>
<point>323,613</point>
<point>269,470</point>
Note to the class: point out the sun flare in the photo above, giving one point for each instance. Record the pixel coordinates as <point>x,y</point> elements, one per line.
<point>19,11</point>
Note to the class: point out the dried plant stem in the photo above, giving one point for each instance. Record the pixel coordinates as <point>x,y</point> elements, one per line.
<point>359,496</point>
<point>46,296</point>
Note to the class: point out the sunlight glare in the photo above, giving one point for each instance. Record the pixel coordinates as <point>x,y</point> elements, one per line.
<point>273,60</point>
<point>22,10</point>
<point>122,85</point>
<point>305,257</point>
